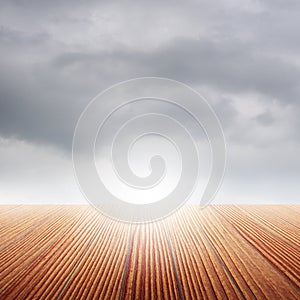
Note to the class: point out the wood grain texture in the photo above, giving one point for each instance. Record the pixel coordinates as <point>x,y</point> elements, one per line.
<point>220,252</point>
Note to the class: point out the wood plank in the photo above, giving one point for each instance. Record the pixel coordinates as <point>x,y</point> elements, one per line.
<point>220,252</point>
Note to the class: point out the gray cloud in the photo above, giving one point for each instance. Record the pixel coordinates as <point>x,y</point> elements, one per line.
<point>55,56</point>
<point>265,118</point>
<point>56,89</point>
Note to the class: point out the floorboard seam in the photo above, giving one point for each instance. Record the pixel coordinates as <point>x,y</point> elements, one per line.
<point>251,245</point>
<point>222,263</point>
<point>20,236</point>
<point>78,263</point>
<point>130,244</point>
<point>174,262</point>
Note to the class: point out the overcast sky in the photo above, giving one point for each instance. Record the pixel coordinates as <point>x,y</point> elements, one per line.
<point>243,56</point>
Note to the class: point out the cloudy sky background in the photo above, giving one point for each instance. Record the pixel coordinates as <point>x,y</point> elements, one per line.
<point>243,56</point>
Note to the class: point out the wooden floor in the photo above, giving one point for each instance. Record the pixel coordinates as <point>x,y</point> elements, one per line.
<point>221,252</point>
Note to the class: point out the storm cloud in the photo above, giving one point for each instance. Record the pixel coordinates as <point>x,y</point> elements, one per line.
<point>243,57</point>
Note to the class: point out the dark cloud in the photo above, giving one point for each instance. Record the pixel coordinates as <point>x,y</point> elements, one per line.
<point>265,119</point>
<point>43,100</point>
<point>57,55</point>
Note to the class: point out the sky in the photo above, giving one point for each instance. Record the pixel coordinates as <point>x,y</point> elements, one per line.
<point>242,56</point>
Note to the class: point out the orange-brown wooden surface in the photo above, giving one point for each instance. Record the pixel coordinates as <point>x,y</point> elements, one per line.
<point>220,252</point>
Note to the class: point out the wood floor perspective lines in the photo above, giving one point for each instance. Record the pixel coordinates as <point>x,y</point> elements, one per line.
<point>220,252</point>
